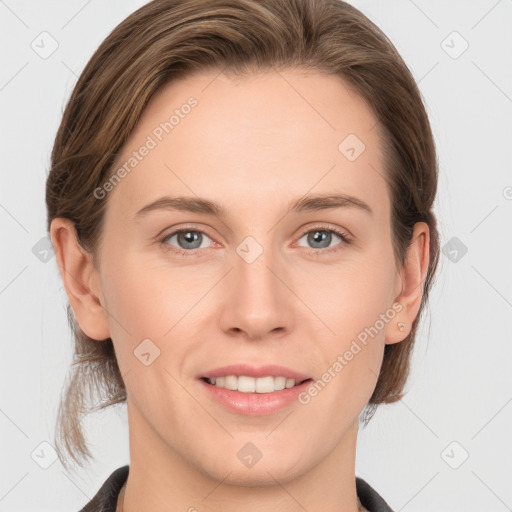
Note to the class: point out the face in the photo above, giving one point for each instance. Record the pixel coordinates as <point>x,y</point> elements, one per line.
<point>276,278</point>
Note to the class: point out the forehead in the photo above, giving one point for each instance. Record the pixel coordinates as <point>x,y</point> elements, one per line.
<point>272,135</point>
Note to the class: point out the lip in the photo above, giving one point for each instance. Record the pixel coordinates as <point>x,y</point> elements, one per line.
<point>254,404</point>
<point>255,371</point>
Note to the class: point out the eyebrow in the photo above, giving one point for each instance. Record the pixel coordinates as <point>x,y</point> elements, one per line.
<point>312,202</point>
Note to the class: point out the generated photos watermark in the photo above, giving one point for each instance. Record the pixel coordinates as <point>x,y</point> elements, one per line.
<point>151,142</point>
<point>343,359</point>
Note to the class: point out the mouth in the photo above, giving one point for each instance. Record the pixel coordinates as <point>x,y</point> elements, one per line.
<point>254,391</point>
<point>248,384</point>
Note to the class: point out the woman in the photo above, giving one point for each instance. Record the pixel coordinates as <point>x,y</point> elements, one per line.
<point>240,203</point>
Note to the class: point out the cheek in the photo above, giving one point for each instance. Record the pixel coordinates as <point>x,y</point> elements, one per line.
<point>136,299</point>
<point>148,298</point>
<point>142,308</point>
<point>355,308</point>
<point>350,297</point>
<point>349,355</point>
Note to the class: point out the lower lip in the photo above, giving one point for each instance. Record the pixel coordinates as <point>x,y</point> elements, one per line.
<point>255,404</point>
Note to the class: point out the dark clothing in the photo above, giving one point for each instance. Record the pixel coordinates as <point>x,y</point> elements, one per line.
<point>105,499</point>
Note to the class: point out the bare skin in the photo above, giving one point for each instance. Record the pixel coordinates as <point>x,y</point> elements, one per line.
<point>254,146</point>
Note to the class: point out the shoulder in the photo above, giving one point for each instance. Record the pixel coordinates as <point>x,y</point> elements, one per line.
<point>370,498</point>
<point>105,500</point>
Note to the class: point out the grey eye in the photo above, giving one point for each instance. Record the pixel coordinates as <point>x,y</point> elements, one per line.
<point>188,239</point>
<point>320,238</point>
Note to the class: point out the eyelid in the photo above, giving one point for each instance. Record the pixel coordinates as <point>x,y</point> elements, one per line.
<point>181,227</point>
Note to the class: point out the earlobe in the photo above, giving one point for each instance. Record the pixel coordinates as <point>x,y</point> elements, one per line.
<point>413,276</point>
<point>398,328</point>
<point>80,279</point>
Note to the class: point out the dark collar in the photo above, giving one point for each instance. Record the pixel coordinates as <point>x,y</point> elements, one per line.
<point>105,499</point>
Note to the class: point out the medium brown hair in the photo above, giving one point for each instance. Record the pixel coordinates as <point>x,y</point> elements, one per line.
<point>166,40</point>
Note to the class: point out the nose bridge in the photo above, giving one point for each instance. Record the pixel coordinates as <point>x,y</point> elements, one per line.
<point>254,263</point>
<point>256,301</point>
<point>253,269</point>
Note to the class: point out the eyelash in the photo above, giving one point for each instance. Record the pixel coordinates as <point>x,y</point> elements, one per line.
<point>345,237</point>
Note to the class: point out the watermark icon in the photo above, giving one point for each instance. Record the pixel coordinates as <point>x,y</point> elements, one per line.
<point>454,249</point>
<point>146,352</point>
<point>45,45</point>
<point>249,249</point>
<point>343,359</point>
<point>454,45</point>
<point>455,455</point>
<point>43,249</point>
<point>151,142</point>
<point>249,455</point>
<point>351,147</point>
<point>44,455</point>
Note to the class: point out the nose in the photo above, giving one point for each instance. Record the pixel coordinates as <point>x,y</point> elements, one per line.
<point>256,301</point>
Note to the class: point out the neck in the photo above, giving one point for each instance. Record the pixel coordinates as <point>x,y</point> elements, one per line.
<point>161,479</point>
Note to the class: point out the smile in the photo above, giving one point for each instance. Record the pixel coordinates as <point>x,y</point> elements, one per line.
<point>246,384</point>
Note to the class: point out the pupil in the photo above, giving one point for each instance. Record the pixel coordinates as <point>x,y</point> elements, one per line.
<point>322,235</point>
<point>190,237</point>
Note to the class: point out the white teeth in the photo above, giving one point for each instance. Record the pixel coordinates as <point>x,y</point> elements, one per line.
<point>246,384</point>
<point>230,382</point>
<point>279,383</point>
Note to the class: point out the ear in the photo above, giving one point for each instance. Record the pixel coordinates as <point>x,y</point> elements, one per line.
<point>80,279</point>
<point>411,282</point>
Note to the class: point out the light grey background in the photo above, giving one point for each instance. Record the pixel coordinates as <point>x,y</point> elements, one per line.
<point>459,402</point>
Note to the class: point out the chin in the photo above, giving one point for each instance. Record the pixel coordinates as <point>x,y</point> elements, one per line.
<point>257,476</point>
<point>265,469</point>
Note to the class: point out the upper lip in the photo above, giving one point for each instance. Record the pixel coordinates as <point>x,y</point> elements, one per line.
<point>255,371</point>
